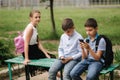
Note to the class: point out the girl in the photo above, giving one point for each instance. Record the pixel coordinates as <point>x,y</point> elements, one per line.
<point>33,48</point>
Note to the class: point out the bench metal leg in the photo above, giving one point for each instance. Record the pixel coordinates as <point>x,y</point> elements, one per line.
<point>61,74</point>
<point>10,71</point>
<point>18,71</point>
<point>104,77</point>
<point>27,72</point>
<point>112,75</point>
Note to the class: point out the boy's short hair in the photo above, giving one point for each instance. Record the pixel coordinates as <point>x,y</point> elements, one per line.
<point>91,22</point>
<point>67,24</point>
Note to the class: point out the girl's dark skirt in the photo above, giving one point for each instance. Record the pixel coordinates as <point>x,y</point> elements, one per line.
<point>34,53</point>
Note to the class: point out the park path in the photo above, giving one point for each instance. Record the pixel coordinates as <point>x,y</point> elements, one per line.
<point>43,76</point>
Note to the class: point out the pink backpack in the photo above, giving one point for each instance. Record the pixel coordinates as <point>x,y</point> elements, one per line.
<point>19,43</point>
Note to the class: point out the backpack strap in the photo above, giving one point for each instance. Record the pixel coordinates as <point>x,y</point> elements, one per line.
<point>97,42</point>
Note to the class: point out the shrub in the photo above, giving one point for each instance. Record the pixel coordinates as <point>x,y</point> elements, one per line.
<point>5,52</point>
<point>117,56</point>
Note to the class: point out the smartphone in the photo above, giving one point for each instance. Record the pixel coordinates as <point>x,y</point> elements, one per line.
<point>81,40</point>
<point>61,58</point>
<point>87,40</point>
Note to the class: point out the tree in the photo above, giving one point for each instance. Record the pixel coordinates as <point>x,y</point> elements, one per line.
<point>52,15</point>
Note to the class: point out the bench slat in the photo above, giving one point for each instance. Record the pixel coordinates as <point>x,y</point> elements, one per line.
<point>110,68</point>
<point>45,62</point>
<point>48,62</point>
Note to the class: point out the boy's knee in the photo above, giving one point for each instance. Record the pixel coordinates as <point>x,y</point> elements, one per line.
<point>90,77</point>
<point>66,76</point>
<point>51,70</point>
<point>72,74</point>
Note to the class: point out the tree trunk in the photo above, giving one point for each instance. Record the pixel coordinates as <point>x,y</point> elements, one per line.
<point>52,16</point>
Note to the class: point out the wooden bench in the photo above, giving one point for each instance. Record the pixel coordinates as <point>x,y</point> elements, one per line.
<point>48,62</point>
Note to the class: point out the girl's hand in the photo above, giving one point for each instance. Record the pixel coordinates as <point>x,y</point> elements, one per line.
<point>26,61</point>
<point>48,56</point>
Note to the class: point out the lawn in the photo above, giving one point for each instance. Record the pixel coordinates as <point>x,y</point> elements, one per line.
<point>12,20</point>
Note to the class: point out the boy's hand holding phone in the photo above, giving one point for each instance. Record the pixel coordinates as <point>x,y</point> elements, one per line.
<point>81,43</point>
<point>84,44</point>
<point>65,60</point>
<point>62,58</point>
<point>81,40</point>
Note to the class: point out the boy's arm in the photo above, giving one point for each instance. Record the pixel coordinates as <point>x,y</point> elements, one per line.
<point>60,52</point>
<point>97,55</point>
<point>101,49</point>
<point>79,54</point>
<point>84,51</point>
<point>60,49</point>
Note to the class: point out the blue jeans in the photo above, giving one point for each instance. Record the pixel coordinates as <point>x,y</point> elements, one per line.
<point>93,67</point>
<point>58,65</point>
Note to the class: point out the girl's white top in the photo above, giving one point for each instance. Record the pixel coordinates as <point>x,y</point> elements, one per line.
<point>33,39</point>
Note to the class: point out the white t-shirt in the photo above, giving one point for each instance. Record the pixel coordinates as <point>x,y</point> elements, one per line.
<point>33,39</point>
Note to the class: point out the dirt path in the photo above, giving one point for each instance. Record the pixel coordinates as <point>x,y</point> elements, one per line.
<point>43,76</point>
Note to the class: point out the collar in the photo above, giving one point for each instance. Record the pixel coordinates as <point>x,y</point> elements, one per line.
<point>96,36</point>
<point>69,37</point>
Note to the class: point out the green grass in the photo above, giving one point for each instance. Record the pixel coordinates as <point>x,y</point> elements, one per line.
<point>51,45</point>
<point>117,56</point>
<point>12,21</point>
